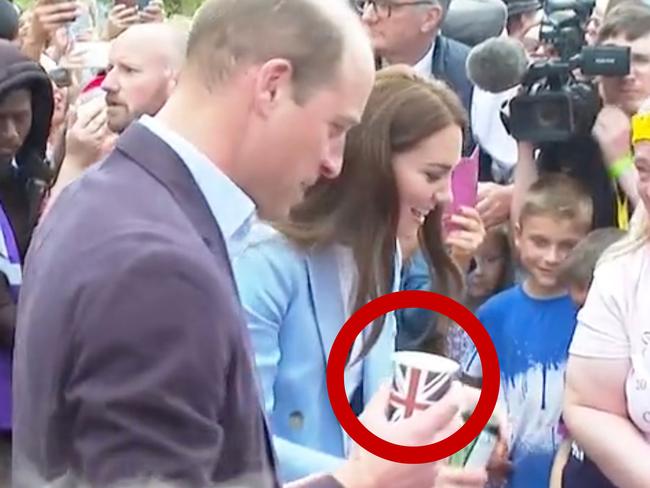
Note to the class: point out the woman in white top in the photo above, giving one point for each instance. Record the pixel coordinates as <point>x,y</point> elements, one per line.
<point>299,281</point>
<point>607,406</point>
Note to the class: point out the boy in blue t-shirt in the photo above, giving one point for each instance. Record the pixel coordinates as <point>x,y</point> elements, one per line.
<point>532,324</point>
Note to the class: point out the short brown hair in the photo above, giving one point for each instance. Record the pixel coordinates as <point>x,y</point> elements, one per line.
<point>629,18</point>
<point>227,33</point>
<point>578,268</point>
<point>559,196</point>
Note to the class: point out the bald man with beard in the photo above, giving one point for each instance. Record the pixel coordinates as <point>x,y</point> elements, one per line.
<point>144,65</point>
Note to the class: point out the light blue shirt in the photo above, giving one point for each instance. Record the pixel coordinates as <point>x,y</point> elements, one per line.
<point>233,210</point>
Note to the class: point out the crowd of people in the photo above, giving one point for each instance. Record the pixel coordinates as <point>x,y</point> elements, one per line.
<point>191,209</point>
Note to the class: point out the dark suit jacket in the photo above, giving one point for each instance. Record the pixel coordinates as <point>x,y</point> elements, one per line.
<point>132,355</point>
<point>448,64</point>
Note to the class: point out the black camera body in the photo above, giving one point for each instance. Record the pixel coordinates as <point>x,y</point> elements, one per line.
<point>560,99</point>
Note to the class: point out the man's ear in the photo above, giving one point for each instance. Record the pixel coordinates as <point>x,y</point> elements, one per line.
<point>273,82</point>
<point>432,19</point>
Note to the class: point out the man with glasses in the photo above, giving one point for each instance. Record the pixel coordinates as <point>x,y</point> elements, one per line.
<point>408,32</point>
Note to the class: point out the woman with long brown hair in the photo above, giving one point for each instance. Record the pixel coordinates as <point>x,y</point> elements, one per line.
<point>300,280</point>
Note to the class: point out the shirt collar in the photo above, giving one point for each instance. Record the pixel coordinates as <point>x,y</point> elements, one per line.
<point>229,205</point>
<point>425,65</point>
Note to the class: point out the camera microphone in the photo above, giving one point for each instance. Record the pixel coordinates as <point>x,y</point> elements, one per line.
<point>497,64</point>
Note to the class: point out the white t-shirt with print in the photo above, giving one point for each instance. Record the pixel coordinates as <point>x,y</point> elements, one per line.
<point>615,324</point>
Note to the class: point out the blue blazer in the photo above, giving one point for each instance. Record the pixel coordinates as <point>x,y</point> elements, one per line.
<point>295,309</point>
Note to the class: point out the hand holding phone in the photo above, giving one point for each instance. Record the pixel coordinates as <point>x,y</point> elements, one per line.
<point>464,187</point>
<point>464,182</point>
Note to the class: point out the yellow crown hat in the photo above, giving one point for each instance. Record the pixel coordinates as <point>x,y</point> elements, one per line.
<point>641,124</point>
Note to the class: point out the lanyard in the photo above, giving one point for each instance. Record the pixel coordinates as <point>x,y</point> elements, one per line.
<point>622,212</point>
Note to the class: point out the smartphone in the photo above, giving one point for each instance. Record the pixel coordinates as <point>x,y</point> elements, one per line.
<point>141,4</point>
<point>126,3</point>
<point>464,186</point>
<point>61,77</point>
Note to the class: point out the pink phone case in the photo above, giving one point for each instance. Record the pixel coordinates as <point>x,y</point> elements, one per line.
<point>464,184</point>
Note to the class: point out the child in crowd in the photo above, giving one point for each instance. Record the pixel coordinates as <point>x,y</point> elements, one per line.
<point>577,273</point>
<point>492,271</point>
<point>490,274</point>
<point>531,325</point>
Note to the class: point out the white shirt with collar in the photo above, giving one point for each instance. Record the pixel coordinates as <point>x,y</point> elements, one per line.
<point>425,65</point>
<point>232,209</point>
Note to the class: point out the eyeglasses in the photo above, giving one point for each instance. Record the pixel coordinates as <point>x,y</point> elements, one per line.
<point>384,8</point>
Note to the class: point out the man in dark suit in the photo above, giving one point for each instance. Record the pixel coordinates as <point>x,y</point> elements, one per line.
<point>408,32</point>
<point>132,358</point>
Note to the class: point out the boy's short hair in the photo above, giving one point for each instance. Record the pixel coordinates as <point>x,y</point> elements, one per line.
<point>560,196</point>
<point>578,268</point>
<point>629,18</point>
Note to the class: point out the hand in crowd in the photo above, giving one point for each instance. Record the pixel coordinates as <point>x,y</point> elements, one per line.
<point>494,203</point>
<point>87,135</point>
<point>425,427</point>
<point>60,44</point>
<point>121,18</point>
<point>47,17</point>
<point>73,60</point>
<point>154,12</point>
<point>500,465</point>
<point>613,131</point>
<point>450,477</point>
<point>466,236</point>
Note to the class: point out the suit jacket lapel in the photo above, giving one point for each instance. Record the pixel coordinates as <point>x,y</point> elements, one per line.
<point>157,158</point>
<point>437,61</point>
<point>325,289</point>
<point>163,163</point>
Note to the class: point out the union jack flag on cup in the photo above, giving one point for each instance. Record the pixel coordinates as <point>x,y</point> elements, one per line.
<point>415,389</point>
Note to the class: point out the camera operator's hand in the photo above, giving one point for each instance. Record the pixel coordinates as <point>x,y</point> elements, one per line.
<point>494,203</point>
<point>364,470</point>
<point>613,132</point>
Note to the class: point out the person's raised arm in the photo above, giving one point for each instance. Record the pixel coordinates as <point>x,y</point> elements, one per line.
<point>525,175</point>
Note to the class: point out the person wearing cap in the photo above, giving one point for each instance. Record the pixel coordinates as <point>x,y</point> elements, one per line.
<point>26,107</point>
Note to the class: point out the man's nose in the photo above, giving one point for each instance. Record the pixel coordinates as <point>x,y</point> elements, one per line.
<point>109,83</point>
<point>331,166</point>
<point>332,158</point>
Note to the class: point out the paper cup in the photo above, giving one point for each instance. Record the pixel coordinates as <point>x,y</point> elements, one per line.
<point>419,379</point>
